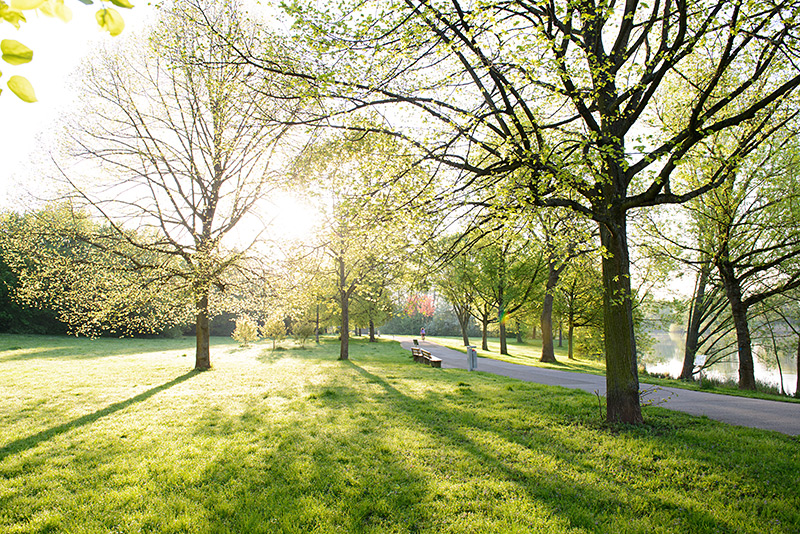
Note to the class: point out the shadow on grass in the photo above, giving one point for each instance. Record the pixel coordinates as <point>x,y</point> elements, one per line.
<point>31,441</point>
<point>573,498</point>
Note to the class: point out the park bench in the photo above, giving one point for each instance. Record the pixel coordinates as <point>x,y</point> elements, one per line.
<point>423,356</point>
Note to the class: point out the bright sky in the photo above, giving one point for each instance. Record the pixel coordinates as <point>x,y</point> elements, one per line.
<point>26,137</point>
<point>57,50</point>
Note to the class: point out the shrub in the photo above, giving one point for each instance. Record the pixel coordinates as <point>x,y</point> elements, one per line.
<point>275,329</point>
<point>246,331</point>
<point>303,331</point>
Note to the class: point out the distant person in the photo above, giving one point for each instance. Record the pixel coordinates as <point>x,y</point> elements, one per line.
<point>422,333</point>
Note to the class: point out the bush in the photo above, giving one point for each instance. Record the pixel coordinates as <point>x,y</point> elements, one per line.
<point>275,329</point>
<point>246,331</point>
<point>303,331</point>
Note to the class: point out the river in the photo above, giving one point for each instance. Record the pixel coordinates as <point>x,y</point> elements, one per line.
<point>666,356</point>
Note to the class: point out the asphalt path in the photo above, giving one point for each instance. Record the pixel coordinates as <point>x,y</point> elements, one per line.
<point>781,417</point>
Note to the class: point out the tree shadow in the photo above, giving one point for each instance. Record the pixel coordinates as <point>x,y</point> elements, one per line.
<point>29,442</point>
<point>576,501</point>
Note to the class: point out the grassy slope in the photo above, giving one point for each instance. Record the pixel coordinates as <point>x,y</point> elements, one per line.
<point>295,441</point>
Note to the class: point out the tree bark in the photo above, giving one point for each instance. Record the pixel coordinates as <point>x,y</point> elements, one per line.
<point>344,345</point>
<point>463,320</point>
<point>501,306</point>
<point>733,291</point>
<point>316,329</point>
<point>484,334</point>
<point>344,302</point>
<point>693,327</point>
<point>622,379</point>
<point>548,352</point>
<point>372,331</point>
<point>519,332</point>
<point>570,335</point>
<point>202,359</point>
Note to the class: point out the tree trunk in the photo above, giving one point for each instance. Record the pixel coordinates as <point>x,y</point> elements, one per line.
<point>548,352</point>
<point>519,332</point>
<point>533,334</point>
<point>202,359</point>
<point>622,379</point>
<point>463,322</point>
<point>501,308</point>
<point>570,336</point>
<point>560,335</point>
<point>693,327</point>
<point>344,302</point>
<point>372,331</point>
<point>316,329</point>
<point>484,334</point>
<point>733,291</point>
<point>344,345</point>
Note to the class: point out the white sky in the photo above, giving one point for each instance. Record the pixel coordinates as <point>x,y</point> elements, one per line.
<point>58,48</point>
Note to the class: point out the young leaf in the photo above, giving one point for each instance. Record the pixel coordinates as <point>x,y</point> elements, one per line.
<point>122,3</point>
<point>15,52</point>
<point>87,2</point>
<point>57,9</point>
<point>22,88</point>
<point>26,4</point>
<point>111,21</point>
<point>12,16</point>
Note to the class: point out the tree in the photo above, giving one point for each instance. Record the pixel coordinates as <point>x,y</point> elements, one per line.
<point>366,188</point>
<point>246,331</point>
<point>512,90</point>
<point>87,274</point>
<point>455,275</point>
<point>274,328</point>
<point>184,144</point>
<point>581,295</point>
<point>510,267</point>
<point>754,220</point>
<point>16,53</point>
<point>565,238</point>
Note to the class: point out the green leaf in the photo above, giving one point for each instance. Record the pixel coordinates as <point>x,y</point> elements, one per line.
<point>87,2</point>
<point>122,3</point>
<point>15,52</point>
<point>12,16</point>
<point>22,88</point>
<point>111,21</point>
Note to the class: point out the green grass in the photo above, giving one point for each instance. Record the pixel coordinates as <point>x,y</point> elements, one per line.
<point>526,353</point>
<point>529,352</point>
<point>295,441</point>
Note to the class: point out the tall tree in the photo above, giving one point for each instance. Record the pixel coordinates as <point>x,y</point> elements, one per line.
<point>581,296</point>
<point>184,145</point>
<point>367,188</point>
<point>508,91</point>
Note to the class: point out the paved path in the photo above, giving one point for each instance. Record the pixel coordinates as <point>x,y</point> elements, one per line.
<point>782,417</point>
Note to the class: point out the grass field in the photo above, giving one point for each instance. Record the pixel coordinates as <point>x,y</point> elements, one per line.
<point>121,436</point>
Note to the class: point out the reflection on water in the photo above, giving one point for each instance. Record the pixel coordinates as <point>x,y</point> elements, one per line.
<point>666,356</point>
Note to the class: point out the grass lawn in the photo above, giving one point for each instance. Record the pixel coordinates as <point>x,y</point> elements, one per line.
<point>529,352</point>
<point>526,353</point>
<point>121,436</point>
